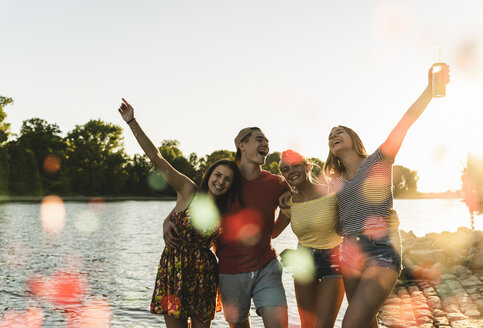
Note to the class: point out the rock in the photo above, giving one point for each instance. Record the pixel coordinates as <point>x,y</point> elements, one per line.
<point>455,316</point>
<point>471,282</point>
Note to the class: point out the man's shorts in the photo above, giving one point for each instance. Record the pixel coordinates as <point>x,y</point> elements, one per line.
<point>264,286</point>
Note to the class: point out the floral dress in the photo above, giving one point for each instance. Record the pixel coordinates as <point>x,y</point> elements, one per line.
<point>186,282</point>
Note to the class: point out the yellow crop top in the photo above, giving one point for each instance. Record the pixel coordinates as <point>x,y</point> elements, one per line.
<point>314,221</point>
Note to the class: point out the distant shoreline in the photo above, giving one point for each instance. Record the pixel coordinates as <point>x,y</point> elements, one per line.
<point>458,195</point>
<point>38,199</point>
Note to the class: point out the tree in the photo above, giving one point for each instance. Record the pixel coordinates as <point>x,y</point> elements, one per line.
<point>49,148</point>
<point>96,159</point>
<point>4,128</point>
<point>272,163</point>
<point>24,177</point>
<point>138,169</point>
<point>404,182</point>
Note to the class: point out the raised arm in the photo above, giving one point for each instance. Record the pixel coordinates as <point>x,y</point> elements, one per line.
<point>183,186</point>
<point>395,139</point>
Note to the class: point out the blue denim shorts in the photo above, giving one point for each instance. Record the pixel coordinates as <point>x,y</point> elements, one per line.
<point>360,251</point>
<point>326,262</point>
<point>264,286</point>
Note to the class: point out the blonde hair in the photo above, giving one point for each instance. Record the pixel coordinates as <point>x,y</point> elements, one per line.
<point>333,165</point>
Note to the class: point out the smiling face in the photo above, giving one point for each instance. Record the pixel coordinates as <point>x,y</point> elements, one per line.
<point>255,149</point>
<point>339,139</point>
<point>295,173</point>
<point>220,180</point>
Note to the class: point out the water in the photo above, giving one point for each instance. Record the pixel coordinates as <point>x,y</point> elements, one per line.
<point>117,249</point>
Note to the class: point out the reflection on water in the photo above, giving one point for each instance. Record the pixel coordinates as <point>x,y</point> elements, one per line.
<point>107,254</point>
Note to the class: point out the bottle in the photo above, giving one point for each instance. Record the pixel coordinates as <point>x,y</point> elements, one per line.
<point>438,83</point>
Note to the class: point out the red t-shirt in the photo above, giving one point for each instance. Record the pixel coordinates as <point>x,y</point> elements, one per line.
<point>245,244</point>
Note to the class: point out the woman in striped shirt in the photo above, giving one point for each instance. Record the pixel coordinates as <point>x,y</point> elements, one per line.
<point>370,260</point>
<point>319,289</point>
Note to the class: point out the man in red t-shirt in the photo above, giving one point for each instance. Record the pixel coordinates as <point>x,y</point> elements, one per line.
<point>248,264</point>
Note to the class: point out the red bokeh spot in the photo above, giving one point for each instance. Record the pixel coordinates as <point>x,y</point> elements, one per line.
<point>375,227</point>
<point>352,259</point>
<point>96,313</point>
<point>244,227</point>
<point>428,271</point>
<point>291,157</point>
<point>97,205</point>
<point>171,304</point>
<point>61,289</point>
<point>51,164</point>
<point>33,317</point>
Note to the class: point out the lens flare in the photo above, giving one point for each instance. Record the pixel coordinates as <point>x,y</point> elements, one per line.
<point>61,289</point>
<point>97,205</point>
<point>302,263</point>
<point>375,227</point>
<point>52,214</point>
<point>86,222</point>
<point>243,227</point>
<point>171,304</point>
<point>204,213</point>
<point>352,259</point>
<point>156,181</point>
<point>33,317</point>
<point>95,313</point>
<point>376,188</point>
<point>51,164</point>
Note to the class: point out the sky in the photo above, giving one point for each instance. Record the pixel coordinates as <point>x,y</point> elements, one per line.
<point>199,71</point>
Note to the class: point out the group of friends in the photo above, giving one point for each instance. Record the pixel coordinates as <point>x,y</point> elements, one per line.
<point>345,222</point>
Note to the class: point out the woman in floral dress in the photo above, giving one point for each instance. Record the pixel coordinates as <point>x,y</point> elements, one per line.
<point>186,282</point>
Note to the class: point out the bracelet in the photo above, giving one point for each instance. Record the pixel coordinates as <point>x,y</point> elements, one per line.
<point>131,120</point>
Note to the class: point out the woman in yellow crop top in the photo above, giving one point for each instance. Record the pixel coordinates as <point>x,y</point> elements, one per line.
<point>319,290</point>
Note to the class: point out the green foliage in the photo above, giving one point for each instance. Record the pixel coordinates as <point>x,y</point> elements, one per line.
<point>405,182</point>
<point>272,163</point>
<point>472,179</point>
<point>170,151</point>
<point>4,127</point>
<point>95,159</point>
<point>4,171</point>
<point>49,148</point>
<point>24,177</point>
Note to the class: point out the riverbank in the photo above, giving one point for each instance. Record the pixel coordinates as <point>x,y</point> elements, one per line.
<point>441,283</point>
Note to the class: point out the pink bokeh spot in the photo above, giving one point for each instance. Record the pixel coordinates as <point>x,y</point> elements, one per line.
<point>33,317</point>
<point>95,313</point>
<point>61,289</point>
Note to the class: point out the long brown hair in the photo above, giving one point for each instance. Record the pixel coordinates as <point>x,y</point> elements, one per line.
<point>333,165</point>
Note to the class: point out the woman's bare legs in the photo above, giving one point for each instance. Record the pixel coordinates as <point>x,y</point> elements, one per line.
<point>366,293</point>
<point>319,302</point>
<point>172,322</point>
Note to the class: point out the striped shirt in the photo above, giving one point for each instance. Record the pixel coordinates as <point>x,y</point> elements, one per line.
<point>367,199</point>
<point>314,221</point>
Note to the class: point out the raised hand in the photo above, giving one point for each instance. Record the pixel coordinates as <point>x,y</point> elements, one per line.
<point>126,111</point>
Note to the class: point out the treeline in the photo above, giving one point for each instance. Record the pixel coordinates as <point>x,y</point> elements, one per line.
<point>91,160</point>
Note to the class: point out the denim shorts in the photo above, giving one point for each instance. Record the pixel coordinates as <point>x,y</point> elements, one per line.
<point>264,286</point>
<point>326,262</point>
<point>360,251</point>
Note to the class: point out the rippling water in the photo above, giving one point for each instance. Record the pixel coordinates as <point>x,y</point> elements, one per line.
<point>117,249</point>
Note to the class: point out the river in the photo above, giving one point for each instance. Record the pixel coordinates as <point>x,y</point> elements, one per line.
<point>116,247</point>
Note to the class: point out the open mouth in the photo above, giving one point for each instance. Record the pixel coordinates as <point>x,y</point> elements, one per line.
<point>263,152</point>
